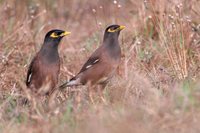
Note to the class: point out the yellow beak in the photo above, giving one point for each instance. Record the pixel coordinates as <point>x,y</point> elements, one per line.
<point>122,27</point>
<point>65,33</point>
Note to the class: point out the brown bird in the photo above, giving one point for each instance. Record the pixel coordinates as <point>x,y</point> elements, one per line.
<point>103,63</point>
<point>42,75</point>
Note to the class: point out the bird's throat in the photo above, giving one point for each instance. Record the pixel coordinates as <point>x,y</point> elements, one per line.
<point>113,48</point>
<point>50,53</point>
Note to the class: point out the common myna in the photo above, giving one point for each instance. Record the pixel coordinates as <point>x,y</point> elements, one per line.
<point>103,63</point>
<point>42,75</point>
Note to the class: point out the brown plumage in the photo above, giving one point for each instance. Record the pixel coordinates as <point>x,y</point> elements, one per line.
<point>103,63</point>
<point>42,75</point>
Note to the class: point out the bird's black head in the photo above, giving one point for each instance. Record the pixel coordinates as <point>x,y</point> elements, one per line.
<point>55,36</point>
<point>113,31</point>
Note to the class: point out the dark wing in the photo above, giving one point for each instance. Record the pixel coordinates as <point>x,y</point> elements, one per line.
<point>90,62</point>
<point>94,59</point>
<point>29,73</point>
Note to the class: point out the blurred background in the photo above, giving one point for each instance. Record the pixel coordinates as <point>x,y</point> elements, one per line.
<point>156,88</point>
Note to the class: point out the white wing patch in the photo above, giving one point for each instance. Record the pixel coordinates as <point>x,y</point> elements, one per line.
<point>29,77</point>
<point>92,64</point>
<point>88,66</point>
<point>96,61</point>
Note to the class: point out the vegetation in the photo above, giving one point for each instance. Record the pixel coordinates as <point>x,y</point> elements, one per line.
<point>156,89</point>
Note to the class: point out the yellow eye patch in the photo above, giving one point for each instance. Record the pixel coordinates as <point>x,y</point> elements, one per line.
<point>54,35</point>
<point>115,30</point>
<point>112,30</point>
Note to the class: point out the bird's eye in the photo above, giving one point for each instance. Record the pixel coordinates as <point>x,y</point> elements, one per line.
<point>112,29</point>
<point>54,35</point>
<point>59,33</point>
<point>116,28</point>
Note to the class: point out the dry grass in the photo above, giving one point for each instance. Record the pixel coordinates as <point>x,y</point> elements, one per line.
<point>156,89</point>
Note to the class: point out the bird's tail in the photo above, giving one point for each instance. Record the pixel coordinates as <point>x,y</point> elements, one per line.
<point>63,86</point>
<point>72,82</point>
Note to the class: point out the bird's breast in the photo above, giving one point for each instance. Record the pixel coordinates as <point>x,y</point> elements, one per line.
<point>47,86</point>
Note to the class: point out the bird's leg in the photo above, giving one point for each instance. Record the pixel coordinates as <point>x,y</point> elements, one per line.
<point>91,95</point>
<point>52,99</point>
<point>90,90</point>
<point>31,97</point>
<point>35,107</point>
<point>100,89</point>
<point>77,94</point>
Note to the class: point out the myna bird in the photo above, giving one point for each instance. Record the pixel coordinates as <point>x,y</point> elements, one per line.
<point>43,71</point>
<point>103,63</point>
